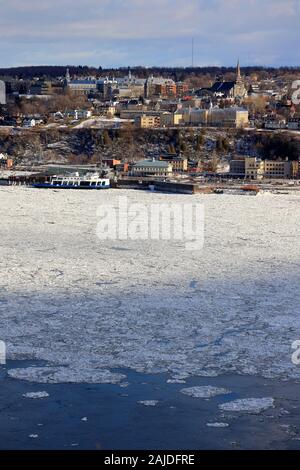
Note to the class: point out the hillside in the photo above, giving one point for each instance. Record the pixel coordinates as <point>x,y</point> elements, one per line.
<point>88,145</point>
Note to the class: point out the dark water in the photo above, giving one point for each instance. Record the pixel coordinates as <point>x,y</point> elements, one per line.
<point>115,419</point>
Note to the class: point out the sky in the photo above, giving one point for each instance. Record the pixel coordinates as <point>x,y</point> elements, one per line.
<point>114,33</point>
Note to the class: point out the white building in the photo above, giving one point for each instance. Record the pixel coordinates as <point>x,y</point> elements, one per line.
<point>152,167</point>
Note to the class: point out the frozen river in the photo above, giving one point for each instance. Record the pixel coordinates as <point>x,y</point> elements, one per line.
<point>88,306</point>
<point>140,344</point>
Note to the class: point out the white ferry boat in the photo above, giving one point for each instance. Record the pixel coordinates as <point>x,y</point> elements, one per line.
<point>74,181</point>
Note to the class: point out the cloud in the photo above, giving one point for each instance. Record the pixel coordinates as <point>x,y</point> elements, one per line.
<point>143,32</point>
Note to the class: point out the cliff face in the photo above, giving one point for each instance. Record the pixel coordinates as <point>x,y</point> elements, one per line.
<point>65,145</point>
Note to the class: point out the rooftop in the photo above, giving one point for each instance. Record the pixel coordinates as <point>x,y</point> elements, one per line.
<point>152,163</point>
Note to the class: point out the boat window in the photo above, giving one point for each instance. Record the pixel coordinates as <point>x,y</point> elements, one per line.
<point>103,183</point>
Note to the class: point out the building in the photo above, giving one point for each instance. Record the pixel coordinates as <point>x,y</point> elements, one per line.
<point>182,88</point>
<point>5,161</point>
<point>237,167</point>
<point>247,167</point>
<point>29,122</point>
<point>215,117</point>
<point>272,122</point>
<point>278,169</point>
<point>160,87</point>
<point>196,116</point>
<point>194,166</point>
<point>253,168</point>
<point>41,87</point>
<point>46,88</point>
<point>122,167</point>
<point>152,168</point>
<point>147,121</point>
<point>295,169</point>
<point>172,119</point>
<point>130,86</point>
<point>106,87</point>
<point>110,162</point>
<point>137,112</point>
<point>78,114</point>
<point>192,102</point>
<point>294,124</point>
<point>131,80</point>
<point>234,90</point>
<point>2,92</point>
<point>179,164</point>
<point>83,113</point>
<point>82,86</point>
<point>9,163</point>
<point>228,117</point>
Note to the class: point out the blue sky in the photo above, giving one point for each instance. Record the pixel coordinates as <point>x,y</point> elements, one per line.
<point>149,32</point>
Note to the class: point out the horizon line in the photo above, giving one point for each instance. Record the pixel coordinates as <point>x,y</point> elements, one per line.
<point>116,67</point>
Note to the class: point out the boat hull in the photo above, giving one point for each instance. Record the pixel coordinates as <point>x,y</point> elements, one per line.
<point>66,186</point>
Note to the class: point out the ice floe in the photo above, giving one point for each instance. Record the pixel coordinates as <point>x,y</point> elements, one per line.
<point>217,425</point>
<point>206,391</point>
<point>65,375</point>
<point>248,405</point>
<point>36,395</point>
<point>176,381</point>
<point>124,384</point>
<point>148,402</point>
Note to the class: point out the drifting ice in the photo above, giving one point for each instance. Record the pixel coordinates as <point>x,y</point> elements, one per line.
<point>249,405</point>
<point>36,395</point>
<point>204,392</point>
<point>88,306</point>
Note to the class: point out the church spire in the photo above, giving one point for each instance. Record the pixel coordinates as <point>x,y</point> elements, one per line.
<point>68,78</point>
<point>238,71</point>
